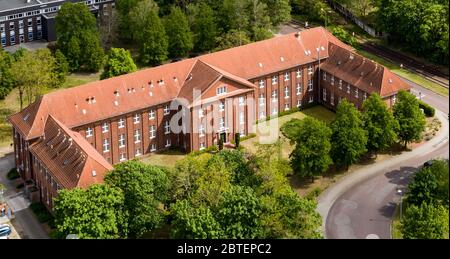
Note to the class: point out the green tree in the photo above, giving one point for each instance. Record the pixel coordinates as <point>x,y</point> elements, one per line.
<point>61,69</point>
<point>279,11</point>
<point>190,222</point>
<point>259,21</point>
<point>430,185</point>
<point>6,79</point>
<point>410,118</point>
<point>239,213</point>
<point>310,156</point>
<point>349,139</point>
<point>119,62</point>
<point>152,39</point>
<point>380,124</point>
<point>344,36</point>
<point>425,222</point>
<point>178,33</point>
<point>127,20</point>
<point>232,39</point>
<point>203,27</point>
<point>145,189</point>
<point>78,37</point>
<point>32,73</point>
<point>92,213</point>
<point>232,15</point>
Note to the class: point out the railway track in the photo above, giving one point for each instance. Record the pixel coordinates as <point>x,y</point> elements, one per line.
<point>428,71</point>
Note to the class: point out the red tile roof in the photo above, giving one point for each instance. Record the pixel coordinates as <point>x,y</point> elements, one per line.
<point>69,158</point>
<point>361,72</point>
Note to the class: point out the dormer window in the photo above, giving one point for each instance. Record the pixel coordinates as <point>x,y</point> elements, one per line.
<point>116,93</point>
<point>166,110</point>
<point>221,90</point>
<point>161,82</point>
<point>89,132</point>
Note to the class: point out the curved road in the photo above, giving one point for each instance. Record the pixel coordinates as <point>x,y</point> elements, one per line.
<point>362,204</point>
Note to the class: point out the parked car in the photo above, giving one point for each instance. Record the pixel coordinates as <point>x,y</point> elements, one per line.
<point>5,230</point>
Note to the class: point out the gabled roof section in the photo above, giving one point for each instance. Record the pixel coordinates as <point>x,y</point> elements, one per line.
<point>361,72</point>
<point>71,160</point>
<point>31,118</point>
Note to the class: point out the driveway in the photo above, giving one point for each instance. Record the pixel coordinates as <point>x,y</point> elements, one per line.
<point>25,222</point>
<point>361,205</point>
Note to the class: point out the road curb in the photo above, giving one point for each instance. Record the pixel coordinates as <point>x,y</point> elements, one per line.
<point>331,194</point>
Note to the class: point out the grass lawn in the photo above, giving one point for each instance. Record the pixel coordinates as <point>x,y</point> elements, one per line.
<point>164,158</point>
<point>80,79</point>
<point>416,78</point>
<point>395,224</point>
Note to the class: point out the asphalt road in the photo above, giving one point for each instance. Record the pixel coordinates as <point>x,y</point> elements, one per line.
<point>365,208</point>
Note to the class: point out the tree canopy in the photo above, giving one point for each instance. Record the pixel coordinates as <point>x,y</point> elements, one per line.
<point>118,62</point>
<point>410,118</point>
<point>425,222</point>
<point>349,139</point>
<point>178,33</point>
<point>78,37</point>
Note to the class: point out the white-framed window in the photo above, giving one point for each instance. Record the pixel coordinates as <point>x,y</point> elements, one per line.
<point>137,152</point>
<point>168,142</point>
<point>332,80</point>
<point>340,84</point>
<point>89,132</point>
<point>136,118</point>
<point>166,127</point>
<point>151,115</point>
<point>222,106</point>
<point>152,131</point>
<point>262,114</point>
<point>166,110</point>
<point>202,145</point>
<point>324,95</point>
<point>274,96</point>
<point>152,147</point>
<point>299,73</point>
<point>121,123</point>
<point>137,136</point>
<point>356,93</point>
<point>262,100</point>
<point>274,80</point>
<point>105,145</point>
<point>123,157</point>
<point>241,118</point>
<point>221,90</point>
<point>105,127</point>
<point>365,96</point>
<point>286,92</point>
<point>299,103</point>
<point>241,100</point>
<point>121,140</point>
<point>310,70</point>
<point>286,106</point>
<point>310,85</point>
<point>311,99</point>
<point>201,130</point>
<point>324,76</point>
<point>274,110</point>
<point>261,83</point>
<point>286,76</point>
<point>332,98</point>
<point>201,113</point>
<point>222,122</point>
<point>348,88</point>
<point>299,88</point>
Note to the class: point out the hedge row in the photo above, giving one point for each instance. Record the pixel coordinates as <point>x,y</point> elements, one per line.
<point>427,109</point>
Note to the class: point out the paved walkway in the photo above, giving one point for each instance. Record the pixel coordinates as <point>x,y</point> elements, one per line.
<point>24,222</point>
<point>328,198</point>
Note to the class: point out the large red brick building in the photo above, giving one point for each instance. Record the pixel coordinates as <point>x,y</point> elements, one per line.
<point>188,104</point>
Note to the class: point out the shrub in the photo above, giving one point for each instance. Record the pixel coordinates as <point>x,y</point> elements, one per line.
<point>12,174</point>
<point>427,109</point>
<point>211,149</point>
<point>313,194</point>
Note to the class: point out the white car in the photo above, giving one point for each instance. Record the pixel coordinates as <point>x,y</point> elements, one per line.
<point>5,230</point>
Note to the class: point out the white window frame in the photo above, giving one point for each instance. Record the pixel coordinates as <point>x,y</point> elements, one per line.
<point>137,152</point>
<point>106,145</point>
<point>168,142</point>
<point>166,110</point>
<point>136,118</point>
<point>286,92</point>
<point>311,99</point>
<point>274,95</point>
<point>137,136</point>
<point>121,123</point>
<point>121,140</point>
<point>123,157</point>
<point>89,132</point>
<point>299,103</point>
<point>287,77</point>
<point>202,145</point>
<point>167,127</point>
<point>262,100</point>
<point>262,83</point>
<point>287,107</point>
<point>332,80</point>
<point>299,88</point>
<point>348,88</point>
<point>222,122</point>
<point>152,131</point>
<point>324,94</point>
<point>221,106</point>
<point>310,85</point>
<point>299,73</point>
<point>201,130</point>
<point>274,80</point>
<point>340,84</point>
<point>105,127</point>
<point>332,98</point>
<point>151,115</point>
<point>356,93</point>
<point>153,147</point>
<point>310,70</point>
<point>241,118</point>
<point>201,113</point>
<point>221,90</point>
